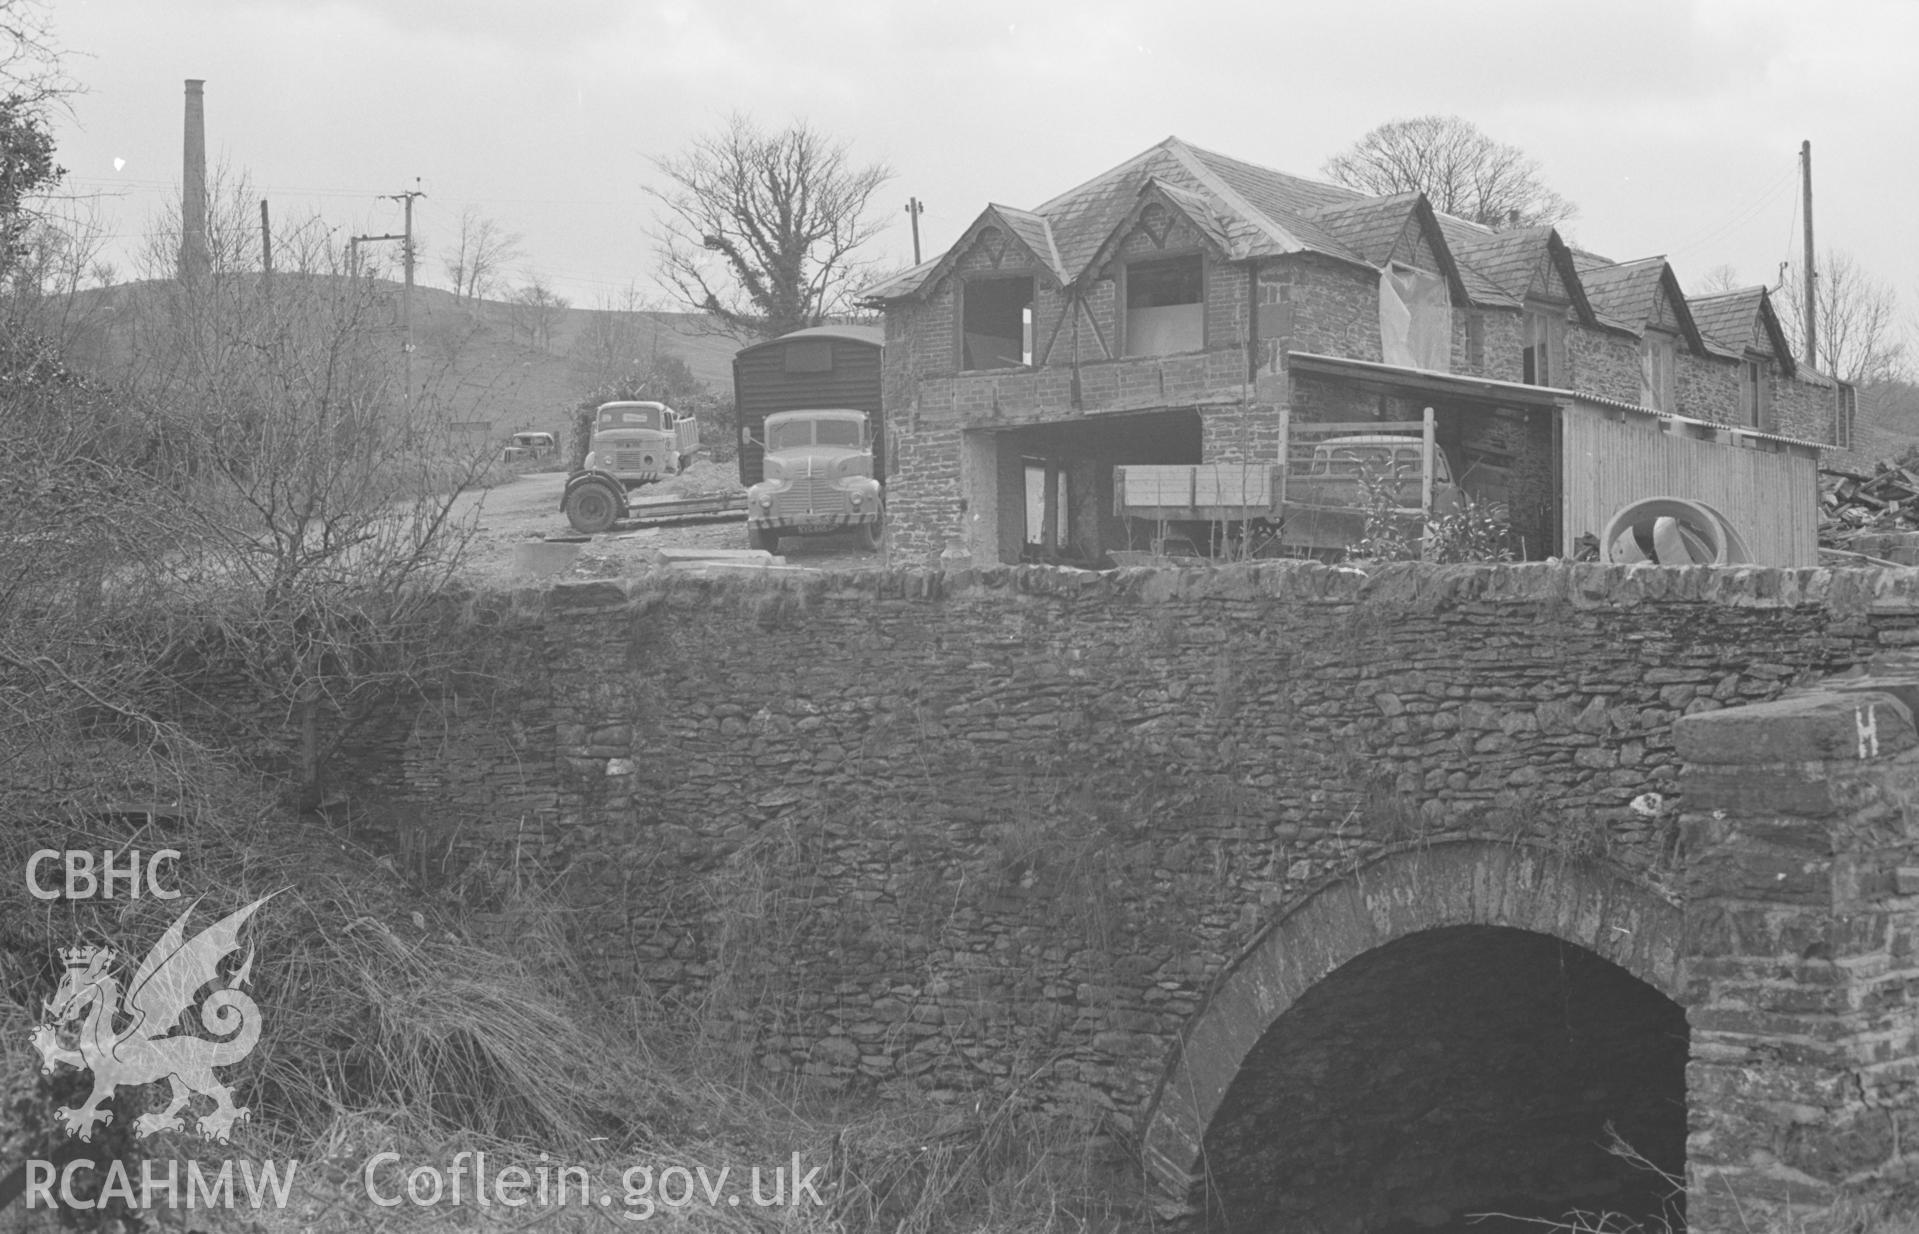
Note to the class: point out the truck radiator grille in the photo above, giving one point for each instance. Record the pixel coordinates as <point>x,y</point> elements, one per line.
<point>810,495</point>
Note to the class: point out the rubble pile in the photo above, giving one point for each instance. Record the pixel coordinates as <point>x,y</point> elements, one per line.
<point>1871,516</point>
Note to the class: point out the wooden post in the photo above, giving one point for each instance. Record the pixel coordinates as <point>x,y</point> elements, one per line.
<point>1812,299</point>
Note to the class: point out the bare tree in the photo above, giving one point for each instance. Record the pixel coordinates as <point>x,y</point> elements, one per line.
<point>1722,277</point>
<point>760,229</point>
<point>535,310</point>
<point>480,251</point>
<point>1861,335</point>
<point>1462,171</point>
<point>32,73</point>
<point>317,501</point>
<point>617,339</point>
<point>255,495</point>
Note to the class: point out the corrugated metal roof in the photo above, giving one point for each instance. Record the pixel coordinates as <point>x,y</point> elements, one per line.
<point>1483,387</point>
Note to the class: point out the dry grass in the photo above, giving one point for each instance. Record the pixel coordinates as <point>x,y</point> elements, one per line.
<point>386,1028</point>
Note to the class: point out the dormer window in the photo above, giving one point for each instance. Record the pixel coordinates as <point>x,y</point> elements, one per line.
<point>996,322</point>
<point>1165,306</point>
<point>1658,353</point>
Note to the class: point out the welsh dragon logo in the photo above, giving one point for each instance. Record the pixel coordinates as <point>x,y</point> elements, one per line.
<point>79,1029</point>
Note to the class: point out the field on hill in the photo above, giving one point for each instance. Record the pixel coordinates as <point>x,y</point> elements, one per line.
<point>507,366</point>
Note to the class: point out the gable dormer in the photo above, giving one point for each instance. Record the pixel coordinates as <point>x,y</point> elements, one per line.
<point>1529,265</point>
<point>1399,230</point>
<point>1638,296</point>
<point>1159,256</point>
<point>995,270</point>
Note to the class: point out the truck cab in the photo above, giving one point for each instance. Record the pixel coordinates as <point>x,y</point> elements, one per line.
<point>818,470</point>
<point>634,444</point>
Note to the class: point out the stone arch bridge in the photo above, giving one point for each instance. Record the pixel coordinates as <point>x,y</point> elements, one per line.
<point>1335,901</point>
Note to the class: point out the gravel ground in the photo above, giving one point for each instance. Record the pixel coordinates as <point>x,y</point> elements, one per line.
<point>527,507</point>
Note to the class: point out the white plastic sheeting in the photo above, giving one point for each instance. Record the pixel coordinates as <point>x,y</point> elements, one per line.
<point>1415,319</point>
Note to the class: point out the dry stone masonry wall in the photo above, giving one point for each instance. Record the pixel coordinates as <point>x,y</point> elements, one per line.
<point>1008,830</point>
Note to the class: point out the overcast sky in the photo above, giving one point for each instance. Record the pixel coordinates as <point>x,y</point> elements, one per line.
<point>1674,126</point>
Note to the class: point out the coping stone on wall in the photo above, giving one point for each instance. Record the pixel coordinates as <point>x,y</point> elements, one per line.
<point>1844,592</point>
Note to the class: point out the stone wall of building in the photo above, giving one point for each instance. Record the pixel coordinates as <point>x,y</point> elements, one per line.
<point>1801,407</point>
<point>1488,343</point>
<point>1603,362</point>
<point>1707,388</point>
<point>1315,304</point>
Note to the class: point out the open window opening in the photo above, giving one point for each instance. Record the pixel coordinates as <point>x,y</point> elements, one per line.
<point>1543,357</point>
<point>997,323</point>
<point>1658,354</point>
<point>1165,306</point>
<point>1753,393</point>
<point>1046,490</point>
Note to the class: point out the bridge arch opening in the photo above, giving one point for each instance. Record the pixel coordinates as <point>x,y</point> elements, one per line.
<point>1450,1031</point>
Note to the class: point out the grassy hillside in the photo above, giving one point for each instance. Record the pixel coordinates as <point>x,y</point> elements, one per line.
<point>495,362</point>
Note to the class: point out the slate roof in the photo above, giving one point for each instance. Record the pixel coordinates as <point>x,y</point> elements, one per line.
<point>1627,292</point>
<point>1731,318</point>
<point>1624,292</point>
<point>1036,234</point>
<point>1369,226</point>
<point>1509,260</point>
<point>1742,320</point>
<point>1251,211</point>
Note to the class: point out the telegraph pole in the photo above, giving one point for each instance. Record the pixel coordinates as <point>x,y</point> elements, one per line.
<point>914,207</point>
<point>406,254</point>
<point>266,243</point>
<point>1812,301</point>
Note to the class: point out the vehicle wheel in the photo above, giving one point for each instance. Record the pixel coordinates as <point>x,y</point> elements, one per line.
<point>763,538</point>
<point>870,535</point>
<point>592,508</point>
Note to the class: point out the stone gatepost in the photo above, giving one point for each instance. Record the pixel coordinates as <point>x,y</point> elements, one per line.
<point>1801,859</point>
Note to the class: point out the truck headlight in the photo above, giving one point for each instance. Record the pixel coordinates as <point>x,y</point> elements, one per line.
<point>856,499</point>
<point>766,501</point>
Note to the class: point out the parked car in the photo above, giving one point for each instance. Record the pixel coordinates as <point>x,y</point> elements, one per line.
<point>525,447</point>
<point>1326,504</point>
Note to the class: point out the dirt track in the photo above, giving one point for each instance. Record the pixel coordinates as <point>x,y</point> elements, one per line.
<point>527,507</point>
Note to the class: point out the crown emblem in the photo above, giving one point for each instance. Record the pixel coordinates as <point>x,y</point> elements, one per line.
<point>84,957</point>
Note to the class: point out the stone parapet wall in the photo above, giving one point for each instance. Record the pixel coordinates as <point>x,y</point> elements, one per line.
<point>918,829</point>
<point>1802,937</point>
